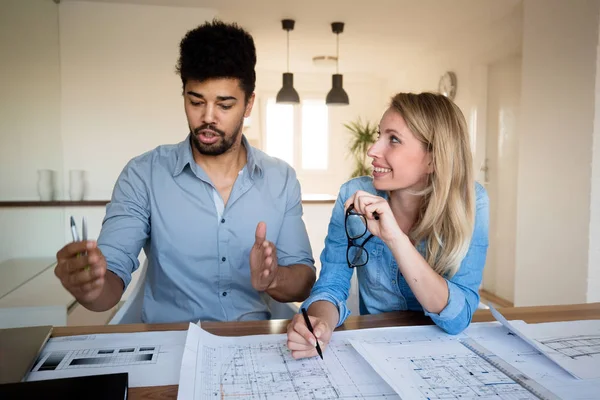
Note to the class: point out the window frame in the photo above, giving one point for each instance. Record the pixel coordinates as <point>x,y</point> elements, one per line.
<point>297,132</point>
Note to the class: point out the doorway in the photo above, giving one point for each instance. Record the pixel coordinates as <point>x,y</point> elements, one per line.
<point>499,175</point>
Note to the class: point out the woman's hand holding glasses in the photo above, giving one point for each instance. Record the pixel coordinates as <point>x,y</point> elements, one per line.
<point>377,214</point>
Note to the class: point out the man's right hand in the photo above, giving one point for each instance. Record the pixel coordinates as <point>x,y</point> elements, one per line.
<point>84,283</point>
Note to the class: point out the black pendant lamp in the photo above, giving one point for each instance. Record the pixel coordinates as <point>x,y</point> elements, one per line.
<point>337,95</point>
<point>287,94</point>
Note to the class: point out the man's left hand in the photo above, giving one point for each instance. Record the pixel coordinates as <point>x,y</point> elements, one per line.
<point>263,260</point>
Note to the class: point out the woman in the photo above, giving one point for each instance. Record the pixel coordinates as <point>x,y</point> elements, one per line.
<point>416,232</point>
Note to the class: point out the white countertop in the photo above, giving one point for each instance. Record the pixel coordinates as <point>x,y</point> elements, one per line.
<point>44,290</point>
<point>15,272</point>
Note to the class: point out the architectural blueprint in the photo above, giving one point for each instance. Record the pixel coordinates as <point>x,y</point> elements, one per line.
<point>573,345</point>
<point>450,371</point>
<point>261,367</point>
<point>531,362</point>
<point>150,358</point>
<point>434,365</point>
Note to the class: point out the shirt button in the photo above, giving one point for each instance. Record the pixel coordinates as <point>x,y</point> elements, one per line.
<point>393,281</point>
<point>224,293</point>
<point>223,259</point>
<point>222,220</point>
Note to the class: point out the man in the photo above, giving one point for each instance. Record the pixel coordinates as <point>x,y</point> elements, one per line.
<point>219,221</point>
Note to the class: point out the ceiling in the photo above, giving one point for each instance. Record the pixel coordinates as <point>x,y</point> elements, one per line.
<point>381,37</point>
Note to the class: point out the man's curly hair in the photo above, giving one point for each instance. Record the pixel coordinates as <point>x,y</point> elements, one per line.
<point>218,50</point>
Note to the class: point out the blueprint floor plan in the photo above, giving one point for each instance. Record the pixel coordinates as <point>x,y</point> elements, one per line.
<point>268,371</point>
<point>533,363</point>
<point>386,363</point>
<point>261,367</point>
<point>575,346</point>
<point>450,372</point>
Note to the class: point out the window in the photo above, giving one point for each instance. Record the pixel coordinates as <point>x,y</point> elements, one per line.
<point>280,131</point>
<point>298,135</point>
<point>315,135</point>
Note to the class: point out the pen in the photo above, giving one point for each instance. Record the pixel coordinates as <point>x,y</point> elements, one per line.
<point>84,229</point>
<point>76,235</point>
<point>84,236</point>
<point>310,328</point>
<point>74,230</point>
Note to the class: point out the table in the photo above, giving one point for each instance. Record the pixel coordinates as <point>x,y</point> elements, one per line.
<point>403,318</point>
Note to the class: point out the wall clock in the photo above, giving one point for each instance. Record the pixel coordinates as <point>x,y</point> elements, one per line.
<point>447,85</point>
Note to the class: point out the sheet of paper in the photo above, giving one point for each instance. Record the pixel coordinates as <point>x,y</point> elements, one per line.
<point>532,363</point>
<point>574,345</point>
<point>150,358</point>
<point>439,371</point>
<point>500,318</point>
<point>262,367</point>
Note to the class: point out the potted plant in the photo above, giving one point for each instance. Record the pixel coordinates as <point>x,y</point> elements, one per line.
<point>363,135</point>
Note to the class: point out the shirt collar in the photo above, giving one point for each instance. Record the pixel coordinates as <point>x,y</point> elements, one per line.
<point>253,164</point>
<point>185,157</point>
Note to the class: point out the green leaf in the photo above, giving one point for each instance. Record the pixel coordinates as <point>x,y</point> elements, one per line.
<point>362,136</point>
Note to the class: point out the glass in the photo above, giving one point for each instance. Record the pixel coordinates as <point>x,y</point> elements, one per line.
<point>46,184</point>
<point>356,227</point>
<point>77,184</point>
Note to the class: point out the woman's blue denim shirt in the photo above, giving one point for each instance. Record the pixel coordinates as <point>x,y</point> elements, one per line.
<point>382,287</point>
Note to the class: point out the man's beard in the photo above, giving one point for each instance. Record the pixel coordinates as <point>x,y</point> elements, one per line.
<point>218,148</point>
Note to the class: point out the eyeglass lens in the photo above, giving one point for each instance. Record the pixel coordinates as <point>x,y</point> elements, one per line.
<point>356,226</point>
<point>357,256</point>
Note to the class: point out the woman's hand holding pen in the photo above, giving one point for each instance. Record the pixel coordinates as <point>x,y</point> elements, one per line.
<point>380,218</point>
<point>85,284</point>
<point>302,342</point>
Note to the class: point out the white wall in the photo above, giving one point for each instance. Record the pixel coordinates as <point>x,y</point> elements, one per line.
<point>555,138</point>
<point>30,96</point>
<point>593,288</point>
<point>504,91</point>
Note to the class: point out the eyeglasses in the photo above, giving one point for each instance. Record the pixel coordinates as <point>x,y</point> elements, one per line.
<point>356,227</point>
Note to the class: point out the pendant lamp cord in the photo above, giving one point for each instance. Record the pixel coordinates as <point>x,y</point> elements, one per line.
<point>337,60</point>
<point>288,51</point>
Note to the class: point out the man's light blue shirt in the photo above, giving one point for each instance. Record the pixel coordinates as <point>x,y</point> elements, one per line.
<point>382,287</point>
<point>199,251</point>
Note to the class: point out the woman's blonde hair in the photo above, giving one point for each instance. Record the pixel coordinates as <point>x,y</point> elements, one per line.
<point>447,215</point>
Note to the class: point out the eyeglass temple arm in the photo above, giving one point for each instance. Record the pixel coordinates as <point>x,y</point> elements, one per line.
<point>366,240</point>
